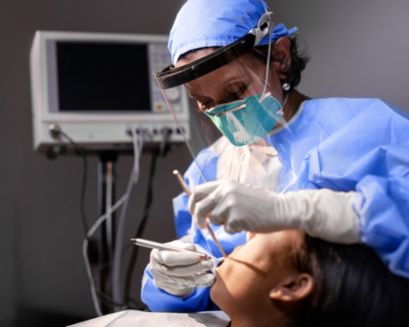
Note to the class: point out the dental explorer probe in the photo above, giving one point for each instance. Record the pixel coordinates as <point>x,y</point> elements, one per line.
<point>168,247</point>
<point>209,229</point>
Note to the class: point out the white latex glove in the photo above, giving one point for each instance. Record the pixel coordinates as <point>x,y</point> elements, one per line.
<point>179,273</point>
<point>321,213</point>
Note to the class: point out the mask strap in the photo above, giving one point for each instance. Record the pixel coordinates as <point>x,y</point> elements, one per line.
<point>270,32</point>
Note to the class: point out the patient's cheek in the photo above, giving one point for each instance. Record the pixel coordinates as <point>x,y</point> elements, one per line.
<point>235,286</point>
<point>221,291</point>
<point>218,293</point>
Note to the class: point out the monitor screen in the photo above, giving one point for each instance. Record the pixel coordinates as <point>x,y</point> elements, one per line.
<point>102,76</point>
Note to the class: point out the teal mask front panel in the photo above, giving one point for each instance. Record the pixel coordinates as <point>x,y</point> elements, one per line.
<point>247,120</point>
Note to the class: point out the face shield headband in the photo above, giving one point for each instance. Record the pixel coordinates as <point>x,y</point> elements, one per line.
<point>174,76</point>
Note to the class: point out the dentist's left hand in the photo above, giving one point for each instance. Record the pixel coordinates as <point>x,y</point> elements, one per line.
<point>179,273</point>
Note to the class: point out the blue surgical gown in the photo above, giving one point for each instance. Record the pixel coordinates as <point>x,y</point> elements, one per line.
<point>341,144</point>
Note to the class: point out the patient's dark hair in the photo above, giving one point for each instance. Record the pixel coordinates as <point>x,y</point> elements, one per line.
<point>353,287</point>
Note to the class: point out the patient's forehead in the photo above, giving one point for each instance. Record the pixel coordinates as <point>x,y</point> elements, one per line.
<point>271,241</point>
<point>269,251</point>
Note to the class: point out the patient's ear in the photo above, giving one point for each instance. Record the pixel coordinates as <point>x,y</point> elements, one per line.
<point>293,289</point>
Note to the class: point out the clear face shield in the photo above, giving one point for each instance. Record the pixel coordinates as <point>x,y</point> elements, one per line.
<point>238,103</point>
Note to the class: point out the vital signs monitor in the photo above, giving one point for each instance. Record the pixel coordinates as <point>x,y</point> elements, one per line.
<point>97,87</point>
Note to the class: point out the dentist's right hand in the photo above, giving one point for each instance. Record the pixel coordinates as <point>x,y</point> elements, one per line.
<point>179,273</point>
<point>322,213</point>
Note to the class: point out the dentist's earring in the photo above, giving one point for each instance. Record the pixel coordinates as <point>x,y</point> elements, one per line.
<point>286,86</point>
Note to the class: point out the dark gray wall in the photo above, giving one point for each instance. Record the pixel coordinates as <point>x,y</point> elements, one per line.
<point>358,48</point>
<point>41,234</point>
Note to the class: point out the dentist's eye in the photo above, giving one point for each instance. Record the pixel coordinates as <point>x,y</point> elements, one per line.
<point>234,92</point>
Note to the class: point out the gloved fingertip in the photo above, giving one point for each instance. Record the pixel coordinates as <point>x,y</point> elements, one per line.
<point>208,264</point>
<point>190,247</point>
<point>210,279</point>
<point>184,245</point>
<point>154,254</point>
<point>191,204</point>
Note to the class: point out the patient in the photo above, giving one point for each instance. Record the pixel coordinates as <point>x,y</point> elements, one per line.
<point>290,279</point>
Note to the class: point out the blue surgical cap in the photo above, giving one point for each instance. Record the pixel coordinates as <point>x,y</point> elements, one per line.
<point>217,23</point>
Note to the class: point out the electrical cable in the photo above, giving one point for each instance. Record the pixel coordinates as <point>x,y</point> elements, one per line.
<point>103,297</point>
<point>163,149</point>
<point>141,226</point>
<point>123,201</point>
<point>96,294</point>
<point>91,231</point>
<point>117,294</point>
<point>107,300</point>
<point>81,152</point>
<point>56,132</point>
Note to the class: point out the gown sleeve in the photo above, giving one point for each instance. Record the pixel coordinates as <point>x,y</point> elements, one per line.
<point>370,155</point>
